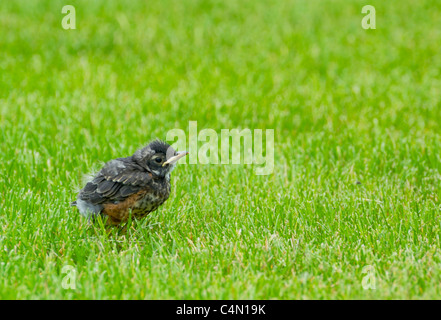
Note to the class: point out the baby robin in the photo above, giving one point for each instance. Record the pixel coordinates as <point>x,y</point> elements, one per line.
<point>136,185</point>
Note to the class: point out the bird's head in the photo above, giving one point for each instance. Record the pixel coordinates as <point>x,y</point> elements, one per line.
<point>159,158</point>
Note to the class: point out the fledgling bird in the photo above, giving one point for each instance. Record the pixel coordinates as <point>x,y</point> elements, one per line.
<point>136,185</point>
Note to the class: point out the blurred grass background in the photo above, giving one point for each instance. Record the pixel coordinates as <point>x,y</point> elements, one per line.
<point>346,104</point>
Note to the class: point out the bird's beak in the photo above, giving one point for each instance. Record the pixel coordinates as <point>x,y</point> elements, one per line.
<point>175,158</point>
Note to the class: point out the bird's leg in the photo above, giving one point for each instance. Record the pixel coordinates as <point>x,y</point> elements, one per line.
<point>112,221</point>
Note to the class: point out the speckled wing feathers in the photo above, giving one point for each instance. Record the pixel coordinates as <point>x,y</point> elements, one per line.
<point>117,180</point>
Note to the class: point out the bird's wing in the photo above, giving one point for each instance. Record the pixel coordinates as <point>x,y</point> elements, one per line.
<point>116,181</point>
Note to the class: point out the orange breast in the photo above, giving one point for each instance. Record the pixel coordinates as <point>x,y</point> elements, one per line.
<point>138,205</point>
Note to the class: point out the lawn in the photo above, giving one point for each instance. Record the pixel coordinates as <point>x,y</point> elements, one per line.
<point>356,114</point>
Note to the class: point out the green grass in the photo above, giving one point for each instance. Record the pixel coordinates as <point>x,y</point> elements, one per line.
<point>346,104</point>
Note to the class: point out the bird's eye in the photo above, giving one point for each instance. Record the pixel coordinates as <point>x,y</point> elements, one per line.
<point>158,160</point>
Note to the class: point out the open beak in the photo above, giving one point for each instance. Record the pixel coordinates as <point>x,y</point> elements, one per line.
<point>175,158</point>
